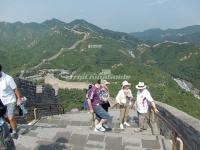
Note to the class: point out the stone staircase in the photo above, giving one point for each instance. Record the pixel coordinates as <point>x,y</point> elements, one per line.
<point>73,131</point>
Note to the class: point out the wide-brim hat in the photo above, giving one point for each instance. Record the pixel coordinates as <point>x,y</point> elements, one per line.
<point>140,86</point>
<point>105,82</point>
<point>125,83</point>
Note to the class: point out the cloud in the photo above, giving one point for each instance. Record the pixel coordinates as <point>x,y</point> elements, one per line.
<point>157,2</point>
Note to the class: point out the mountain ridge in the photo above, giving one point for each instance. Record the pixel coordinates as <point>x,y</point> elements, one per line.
<point>85,48</point>
<point>189,34</point>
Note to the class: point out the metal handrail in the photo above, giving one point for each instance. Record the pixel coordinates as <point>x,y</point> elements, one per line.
<point>176,132</point>
<point>180,143</point>
<point>50,106</point>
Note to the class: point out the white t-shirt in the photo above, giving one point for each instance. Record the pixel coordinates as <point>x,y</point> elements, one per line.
<point>143,98</point>
<point>7,87</point>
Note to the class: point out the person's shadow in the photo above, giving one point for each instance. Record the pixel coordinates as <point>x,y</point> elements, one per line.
<point>58,145</point>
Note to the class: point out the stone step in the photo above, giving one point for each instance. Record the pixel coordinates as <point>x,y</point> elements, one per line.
<point>73,131</point>
<point>98,141</point>
<point>48,136</point>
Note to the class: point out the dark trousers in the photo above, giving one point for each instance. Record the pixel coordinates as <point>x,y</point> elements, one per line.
<point>105,106</point>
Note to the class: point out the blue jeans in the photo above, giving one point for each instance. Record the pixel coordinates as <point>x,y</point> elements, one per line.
<point>101,113</point>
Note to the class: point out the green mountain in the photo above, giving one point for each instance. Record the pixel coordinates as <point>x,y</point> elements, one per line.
<point>24,45</point>
<point>83,25</point>
<point>30,43</point>
<point>81,47</point>
<point>180,61</point>
<point>189,34</point>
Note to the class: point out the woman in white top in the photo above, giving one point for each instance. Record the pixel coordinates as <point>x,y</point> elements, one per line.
<point>143,101</point>
<point>124,98</point>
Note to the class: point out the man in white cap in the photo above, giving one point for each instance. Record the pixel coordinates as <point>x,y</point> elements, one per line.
<point>143,100</point>
<point>124,98</point>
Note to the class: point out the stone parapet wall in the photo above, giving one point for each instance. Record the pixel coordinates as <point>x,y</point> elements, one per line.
<point>45,100</point>
<point>171,120</point>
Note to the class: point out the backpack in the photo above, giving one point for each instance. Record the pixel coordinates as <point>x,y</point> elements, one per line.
<point>3,109</point>
<point>104,96</point>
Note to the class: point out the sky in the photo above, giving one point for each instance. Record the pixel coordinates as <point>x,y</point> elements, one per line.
<point>118,15</point>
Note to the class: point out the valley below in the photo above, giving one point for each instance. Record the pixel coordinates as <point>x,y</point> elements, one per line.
<point>187,86</point>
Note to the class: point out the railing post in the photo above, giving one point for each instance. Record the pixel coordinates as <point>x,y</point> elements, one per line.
<point>93,120</point>
<point>174,142</point>
<point>177,141</point>
<point>180,143</point>
<point>36,114</point>
<point>63,109</point>
<point>151,116</point>
<point>152,123</point>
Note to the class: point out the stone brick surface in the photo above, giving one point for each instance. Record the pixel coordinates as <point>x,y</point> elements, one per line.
<point>68,132</point>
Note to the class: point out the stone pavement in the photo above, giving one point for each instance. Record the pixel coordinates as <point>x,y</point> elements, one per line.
<point>73,131</point>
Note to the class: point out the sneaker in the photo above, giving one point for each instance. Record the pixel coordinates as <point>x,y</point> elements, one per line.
<point>121,126</point>
<point>95,129</point>
<point>106,127</point>
<point>100,128</point>
<point>14,135</point>
<point>127,124</point>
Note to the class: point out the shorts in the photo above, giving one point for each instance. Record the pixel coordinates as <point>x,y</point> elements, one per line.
<point>6,141</point>
<point>101,113</point>
<point>10,110</point>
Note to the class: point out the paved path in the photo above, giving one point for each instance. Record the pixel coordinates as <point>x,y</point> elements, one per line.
<point>59,84</point>
<point>73,131</point>
<point>86,35</point>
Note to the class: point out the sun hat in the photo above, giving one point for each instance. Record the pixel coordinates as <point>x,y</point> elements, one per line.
<point>105,82</point>
<point>125,83</point>
<point>140,86</point>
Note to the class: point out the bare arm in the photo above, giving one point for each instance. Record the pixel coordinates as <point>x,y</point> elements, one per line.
<point>18,95</point>
<point>154,107</point>
<point>90,105</point>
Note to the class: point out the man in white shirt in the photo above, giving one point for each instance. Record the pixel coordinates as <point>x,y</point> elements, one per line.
<point>143,100</point>
<point>8,93</point>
